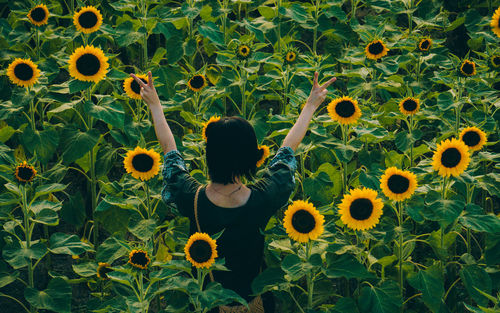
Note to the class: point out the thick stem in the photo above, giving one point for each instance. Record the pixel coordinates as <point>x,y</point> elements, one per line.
<point>411,146</point>
<point>315,33</point>
<point>145,43</point>
<point>243,96</point>
<point>400,247</point>
<point>148,202</point>
<point>27,236</point>
<point>279,26</point>
<point>310,278</point>
<point>37,44</point>
<point>345,130</point>
<point>93,180</point>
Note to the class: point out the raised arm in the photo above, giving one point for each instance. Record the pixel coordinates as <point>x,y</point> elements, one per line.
<point>162,130</point>
<point>316,98</point>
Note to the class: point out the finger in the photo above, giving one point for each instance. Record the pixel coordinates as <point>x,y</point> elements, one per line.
<point>328,83</point>
<point>138,80</point>
<point>150,80</point>
<point>315,84</point>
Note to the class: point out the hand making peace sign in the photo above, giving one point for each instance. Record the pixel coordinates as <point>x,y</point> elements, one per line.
<point>148,91</point>
<point>318,93</point>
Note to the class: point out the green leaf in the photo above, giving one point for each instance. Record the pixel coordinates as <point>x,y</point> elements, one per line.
<point>142,229</point>
<point>73,210</point>
<point>109,111</point>
<point>18,256</point>
<point>215,295</point>
<point>383,299</point>
<point>78,85</point>
<point>6,132</point>
<point>345,305</point>
<point>61,243</point>
<point>474,277</point>
<point>8,278</point>
<point>87,269</point>
<point>430,283</point>
<point>110,250</point>
<point>293,267</point>
<point>482,223</point>
<point>46,189</point>
<point>345,265</point>
<point>47,217</point>
<point>211,31</point>
<point>42,143</point>
<point>57,297</point>
<point>268,279</point>
<point>78,143</point>
<point>444,211</point>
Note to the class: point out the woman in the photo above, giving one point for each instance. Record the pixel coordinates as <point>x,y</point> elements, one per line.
<point>242,211</point>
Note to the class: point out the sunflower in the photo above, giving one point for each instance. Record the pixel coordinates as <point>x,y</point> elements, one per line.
<point>23,72</point>
<point>139,259</point>
<point>103,269</point>
<point>201,250</point>
<point>425,44</point>
<point>142,164</point>
<point>265,155</point>
<point>398,185</point>
<point>197,82</point>
<point>303,222</point>
<point>495,61</point>
<point>39,15</point>
<point>473,137</point>
<point>132,88</point>
<point>451,157</point>
<point>345,110</point>
<point>495,22</point>
<point>409,105</point>
<point>361,209</point>
<point>88,64</point>
<point>468,68</point>
<point>376,49</point>
<point>243,51</point>
<point>25,172</point>
<point>88,19</point>
<point>214,118</point>
<point>291,56</point>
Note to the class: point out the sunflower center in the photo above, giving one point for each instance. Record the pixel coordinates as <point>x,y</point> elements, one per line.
<point>197,81</point>
<point>410,105</point>
<point>244,50</point>
<point>291,56</point>
<point>88,64</point>
<point>135,86</point>
<point>87,19</point>
<point>468,68</point>
<point>451,157</point>
<point>200,251</point>
<point>25,173</point>
<point>471,138</point>
<point>345,108</point>
<point>23,71</point>
<point>425,44</point>
<point>142,162</point>
<point>361,209</point>
<point>376,48</point>
<point>496,60</point>
<point>398,183</point>
<point>303,221</point>
<point>139,258</point>
<point>103,270</point>
<point>38,14</point>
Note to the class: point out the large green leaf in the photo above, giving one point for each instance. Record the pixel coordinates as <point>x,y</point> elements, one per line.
<point>76,143</point>
<point>293,267</point>
<point>17,256</point>
<point>474,278</point>
<point>271,277</point>
<point>57,296</point>
<point>42,143</point>
<point>142,229</point>
<point>46,189</point>
<point>481,223</point>
<point>345,265</point>
<point>110,250</point>
<point>383,299</point>
<point>444,211</point>
<point>211,31</point>
<point>430,283</point>
<point>61,243</point>
<point>108,111</point>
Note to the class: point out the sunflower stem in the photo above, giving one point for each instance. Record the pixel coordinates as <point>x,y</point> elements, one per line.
<point>93,180</point>
<point>315,31</point>
<point>37,44</point>
<point>146,189</point>
<point>32,113</point>
<point>310,278</point>
<point>410,26</point>
<point>27,235</point>
<point>243,91</point>
<point>411,146</point>
<point>400,248</point>
<point>278,17</point>
<point>145,43</point>
<point>443,196</point>
<point>345,130</point>
<point>470,191</point>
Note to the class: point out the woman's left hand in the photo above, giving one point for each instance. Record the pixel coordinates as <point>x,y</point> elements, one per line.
<point>318,93</point>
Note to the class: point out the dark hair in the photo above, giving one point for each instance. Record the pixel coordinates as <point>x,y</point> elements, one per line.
<point>232,150</point>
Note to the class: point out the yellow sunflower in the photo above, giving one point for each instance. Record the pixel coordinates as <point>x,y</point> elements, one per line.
<point>265,155</point>
<point>25,172</point>
<point>425,44</point>
<point>197,82</point>
<point>88,19</point>
<point>344,110</point>
<point>398,185</point>
<point>361,209</point>
<point>88,64</point>
<point>214,118</point>
<point>303,222</point>
<point>142,164</point>
<point>495,22</point>
<point>103,269</point>
<point>468,68</point>
<point>39,15</point>
<point>139,259</point>
<point>201,250</point>
<point>409,106</point>
<point>473,137</point>
<point>243,51</point>
<point>132,88</point>
<point>291,56</point>
<point>376,49</point>
<point>23,72</point>
<point>451,157</point>
<point>495,61</point>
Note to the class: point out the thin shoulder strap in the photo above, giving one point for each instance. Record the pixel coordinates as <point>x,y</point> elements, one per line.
<point>197,221</point>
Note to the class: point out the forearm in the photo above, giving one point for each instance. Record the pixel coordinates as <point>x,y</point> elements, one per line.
<point>299,129</point>
<point>162,130</point>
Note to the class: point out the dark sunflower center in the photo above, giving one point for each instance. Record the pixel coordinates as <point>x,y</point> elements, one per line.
<point>345,108</point>
<point>468,68</point>
<point>471,138</point>
<point>376,48</point>
<point>25,173</point>
<point>303,221</point>
<point>38,14</point>
<point>88,64</point>
<point>87,19</point>
<point>361,209</point>
<point>451,157</point>
<point>496,60</point>
<point>398,184</point>
<point>425,45</point>
<point>139,258</point>
<point>135,86</point>
<point>291,56</point>
<point>200,251</point>
<point>244,50</point>
<point>142,162</point>
<point>23,71</point>
<point>103,270</point>
<point>410,105</point>
<point>197,81</point>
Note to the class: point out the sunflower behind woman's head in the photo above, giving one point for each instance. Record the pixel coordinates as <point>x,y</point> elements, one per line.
<point>201,250</point>
<point>132,88</point>
<point>142,164</point>
<point>303,222</point>
<point>23,72</point>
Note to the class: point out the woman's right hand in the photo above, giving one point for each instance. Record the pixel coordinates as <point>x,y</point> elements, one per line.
<point>318,93</point>
<point>148,91</point>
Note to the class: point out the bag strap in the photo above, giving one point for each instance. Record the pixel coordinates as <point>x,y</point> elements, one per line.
<point>197,221</point>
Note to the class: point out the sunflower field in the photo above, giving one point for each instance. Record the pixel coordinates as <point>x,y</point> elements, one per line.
<point>396,206</point>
